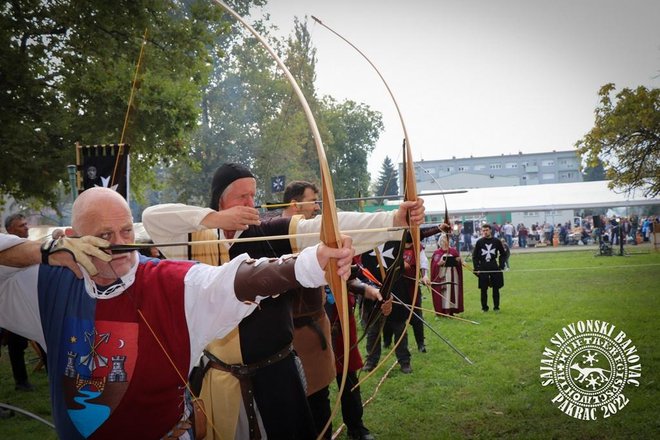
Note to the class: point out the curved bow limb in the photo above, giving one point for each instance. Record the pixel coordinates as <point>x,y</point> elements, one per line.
<point>329,226</point>
<point>410,192</point>
<point>410,188</point>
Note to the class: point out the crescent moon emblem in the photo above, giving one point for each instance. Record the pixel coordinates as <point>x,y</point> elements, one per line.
<point>121,343</point>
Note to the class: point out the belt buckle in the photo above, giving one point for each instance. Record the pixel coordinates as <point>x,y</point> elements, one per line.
<point>240,370</point>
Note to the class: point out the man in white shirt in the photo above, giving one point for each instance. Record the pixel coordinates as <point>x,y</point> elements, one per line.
<point>125,331</point>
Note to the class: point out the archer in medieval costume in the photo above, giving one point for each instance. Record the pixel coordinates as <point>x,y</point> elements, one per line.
<point>123,331</point>
<point>253,385</point>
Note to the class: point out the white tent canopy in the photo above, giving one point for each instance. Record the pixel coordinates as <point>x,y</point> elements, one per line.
<point>556,196</point>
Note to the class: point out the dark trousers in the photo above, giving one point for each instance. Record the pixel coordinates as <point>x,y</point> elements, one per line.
<point>484,298</point>
<point>351,405</point>
<point>388,334</point>
<point>17,345</point>
<point>374,345</point>
<point>319,404</point>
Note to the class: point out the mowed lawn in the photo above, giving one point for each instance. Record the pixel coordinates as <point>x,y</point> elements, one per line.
<point>500,395</point>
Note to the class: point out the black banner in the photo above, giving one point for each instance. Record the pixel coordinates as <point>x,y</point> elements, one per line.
<point>106,166</point>
<point>277,184</point>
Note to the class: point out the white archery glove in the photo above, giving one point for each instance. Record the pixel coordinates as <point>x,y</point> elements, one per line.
<point>81,249</point>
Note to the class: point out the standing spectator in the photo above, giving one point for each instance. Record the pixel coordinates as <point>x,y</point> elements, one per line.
<point>508,231</point>
<point>563,233</point>
<point>548,231</point>
<point>467,230</point>
<point>17,224</point>
<point>522,235</point>
<point>614,231</point>
<point>634,227</point>
<point>495,228</point>
<point>487,252</point>
<point>647,227</point>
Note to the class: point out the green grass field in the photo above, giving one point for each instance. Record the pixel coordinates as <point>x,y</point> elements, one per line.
<point>500,396</point>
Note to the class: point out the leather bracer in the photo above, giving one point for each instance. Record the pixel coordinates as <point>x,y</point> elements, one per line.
<point>265,277</point>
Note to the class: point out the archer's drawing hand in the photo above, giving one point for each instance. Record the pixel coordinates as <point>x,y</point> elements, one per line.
<point>236,218</point>
<point>67,251</point>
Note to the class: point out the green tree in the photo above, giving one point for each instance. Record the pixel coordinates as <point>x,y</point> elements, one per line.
<point>626,138</point>
<point>388,179</point>
<point>244,93</point>
<point>287,147</point>
<point>66,73</point>
<point>354,130</point>
<point>250,115</point>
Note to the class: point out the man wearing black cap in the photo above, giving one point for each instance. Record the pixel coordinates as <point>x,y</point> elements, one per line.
<point>261,344</point>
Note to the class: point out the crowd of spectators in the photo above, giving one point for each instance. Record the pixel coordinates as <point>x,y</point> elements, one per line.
<point>588,230</point>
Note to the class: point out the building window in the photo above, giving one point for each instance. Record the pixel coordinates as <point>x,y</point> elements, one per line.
<point>548,176</point>
<point>548,163</point>
<point>462,168</point>
<point>479,167</point>
<point>495,166</point>
<point>450,169</point>
<point>512,165</point>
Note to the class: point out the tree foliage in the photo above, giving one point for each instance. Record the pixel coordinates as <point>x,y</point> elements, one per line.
<point>252,116</point>
<point>388,179</point>
<point>626,138</point>
<point>354,130</point>
<point>66,74</point>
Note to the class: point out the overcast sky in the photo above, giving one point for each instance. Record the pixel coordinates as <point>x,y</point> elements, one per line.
<point>480,77</point>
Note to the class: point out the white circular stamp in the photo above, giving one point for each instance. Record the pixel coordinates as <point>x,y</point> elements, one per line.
<point>590,363</point>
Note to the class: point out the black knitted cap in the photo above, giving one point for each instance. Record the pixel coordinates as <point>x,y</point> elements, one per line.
<point>223,177</point>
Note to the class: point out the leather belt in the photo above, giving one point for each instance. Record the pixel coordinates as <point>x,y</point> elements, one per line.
<point>244,372</point>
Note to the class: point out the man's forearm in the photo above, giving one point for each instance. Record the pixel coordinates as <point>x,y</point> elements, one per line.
<point>353,221</point>
<point>23,254</point>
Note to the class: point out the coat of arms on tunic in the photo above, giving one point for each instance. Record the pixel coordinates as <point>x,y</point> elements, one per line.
<point>99,364</point>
